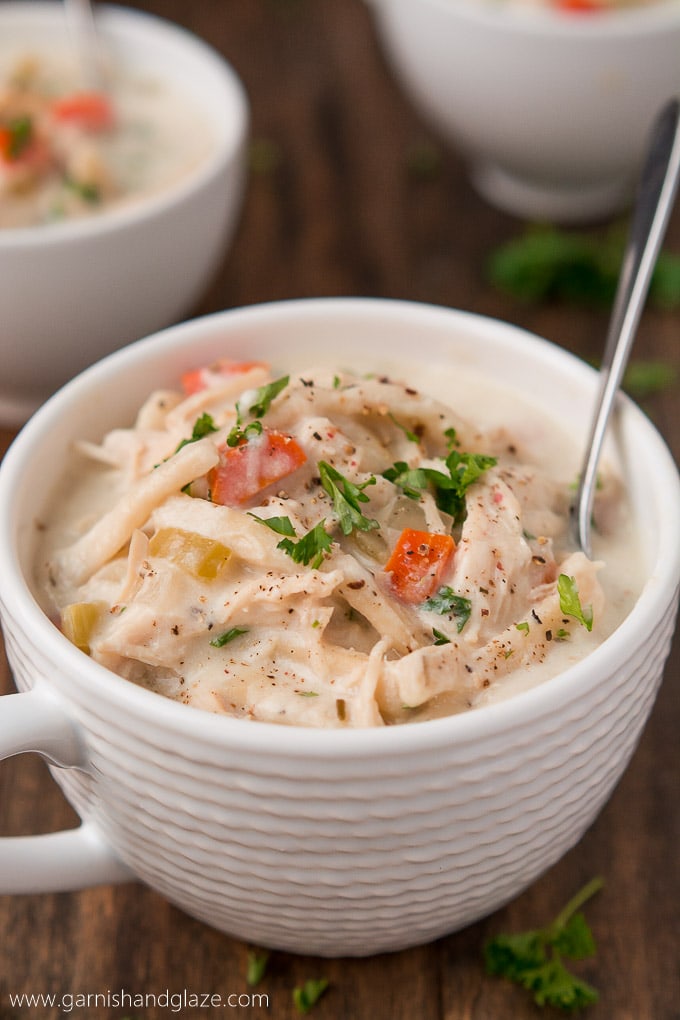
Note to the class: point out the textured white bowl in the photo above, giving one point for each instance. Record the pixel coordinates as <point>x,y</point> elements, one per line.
<point>341,842</point>
<point>71,292</point>
<point>552,109</point>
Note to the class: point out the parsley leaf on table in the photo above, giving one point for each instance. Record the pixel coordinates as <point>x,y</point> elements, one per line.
<point>645,378</point>
<point>579,267</point>
<point>309,994</point>
<point>257,965</point>
<point>533,959</point>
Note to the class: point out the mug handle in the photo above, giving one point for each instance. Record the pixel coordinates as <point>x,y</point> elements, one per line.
<point>59,861</point>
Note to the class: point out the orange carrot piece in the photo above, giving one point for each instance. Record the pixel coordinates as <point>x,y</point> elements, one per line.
<point>417,564</point>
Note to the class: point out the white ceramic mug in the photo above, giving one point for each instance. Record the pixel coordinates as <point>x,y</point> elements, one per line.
<point>341,842</point>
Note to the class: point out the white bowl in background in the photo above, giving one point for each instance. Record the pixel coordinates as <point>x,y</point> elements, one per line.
<point>552,109</point>
<point>71,292</point>
<point>341,842</point>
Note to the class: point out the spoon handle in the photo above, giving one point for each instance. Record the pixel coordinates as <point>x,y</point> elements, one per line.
<point>653,207</point>
<point>81,21</point>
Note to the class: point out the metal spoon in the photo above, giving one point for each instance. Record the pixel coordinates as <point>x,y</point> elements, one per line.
<point>81,21</point>
<point>654,204</point>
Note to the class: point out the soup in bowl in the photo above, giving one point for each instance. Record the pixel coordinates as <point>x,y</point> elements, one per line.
<point>415,722</point>
<point>550,107</point>
<point>117,203</point>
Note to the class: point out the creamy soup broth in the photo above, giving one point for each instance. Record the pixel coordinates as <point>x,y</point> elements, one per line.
<point>67,151</point>
<point>301,560</point>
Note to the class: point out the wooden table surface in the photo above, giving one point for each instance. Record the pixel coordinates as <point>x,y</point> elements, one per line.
<point>351,193</point>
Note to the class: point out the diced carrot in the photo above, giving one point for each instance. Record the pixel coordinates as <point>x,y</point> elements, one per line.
<point>417,564</point>
<point>208,376</point>
<point>578,6</point>
<point>245,470</point>
<point>5,143</point>
<point>20,145</point>
<point>89,110</point>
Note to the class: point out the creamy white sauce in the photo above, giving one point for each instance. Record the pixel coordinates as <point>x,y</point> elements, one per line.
<point>158,137</point>
<point>87,493</point>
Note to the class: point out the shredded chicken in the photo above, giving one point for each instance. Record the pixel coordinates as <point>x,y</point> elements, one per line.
<point>322,550</point>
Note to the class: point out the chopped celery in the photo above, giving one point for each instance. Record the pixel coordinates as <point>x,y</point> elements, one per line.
<point>78,621</point>
<point>197,555</point>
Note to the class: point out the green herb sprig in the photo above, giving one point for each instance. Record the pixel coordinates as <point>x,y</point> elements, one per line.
<point>307,995</point>
<point>570,602</point>
<point>449,489</point>
<point>237,435</point>
<point>263,398</point>
<point>229,635</point>
<point>281,525</point>
<point>346,498</point>
<point>20,131</point>
<point>310,549</point>
<point>534,959</point>
<point>577,267</point>
<point>446,602</point>
<point>203,426</point>
<point>258,959</point>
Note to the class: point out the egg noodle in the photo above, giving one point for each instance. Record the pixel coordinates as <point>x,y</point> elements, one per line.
<point>322,549</point>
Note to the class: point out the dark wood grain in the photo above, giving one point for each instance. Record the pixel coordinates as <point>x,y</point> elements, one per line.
<point>351,193</point>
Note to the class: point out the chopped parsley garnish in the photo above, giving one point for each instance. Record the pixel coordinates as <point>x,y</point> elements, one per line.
<point>257,965</point>
<point>570,603</point>
<point>263,398</point>
<point>309,549</point>
<point>281,525</point>
<point>412,437</point>
<point>309,994</point>
<point>411,481</point>
<point>238,435</point>
<point>533,959</point>
<point>203,426</point>
<point>451,438</point>
<point>439,638</point>
<point>223,639</point>
<point>522,626</point>
<point>445,601</point>
<point>449,490</point>
<point>19,136</point>
<point>346,497</point>
<point>86,190</point>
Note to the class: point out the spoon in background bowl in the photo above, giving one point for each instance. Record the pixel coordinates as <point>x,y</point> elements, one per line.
<point>81,22</point>
<point>653,206</point>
